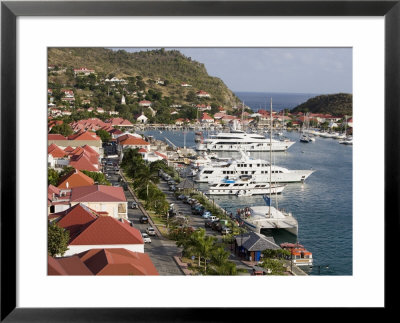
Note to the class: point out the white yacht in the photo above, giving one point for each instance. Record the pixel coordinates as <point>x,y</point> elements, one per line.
<point>347,141</point>
<point>257,218</point>
<point>233,141</point>
<point>243,188</point>
<point>247,168</point>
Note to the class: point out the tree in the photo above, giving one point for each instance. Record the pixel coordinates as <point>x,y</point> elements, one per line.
<point>57,240</point>
<point>52,177</point>
<point>104,135</point>
<point>62,129</point>
<point>98,178</point>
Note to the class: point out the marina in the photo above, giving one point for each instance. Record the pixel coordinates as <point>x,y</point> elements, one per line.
<point>322,205</point>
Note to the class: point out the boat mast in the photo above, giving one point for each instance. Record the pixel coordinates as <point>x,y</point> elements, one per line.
<point>242,115</point>
<point>270,161</point>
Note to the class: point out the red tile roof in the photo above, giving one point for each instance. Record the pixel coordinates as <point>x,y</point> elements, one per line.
<point>67,266</point>
<point>75,218</point>
<point>106,230</point>
<point>75,179</point>
<point>83,162</point>
<point>206,117</point>
<point>55,136</point>
<point>98,193</point>
<point>117,261</point>
<point>56,151</point>
<point>69,149</point>
<point>131,141</point>
<point>84,136</point>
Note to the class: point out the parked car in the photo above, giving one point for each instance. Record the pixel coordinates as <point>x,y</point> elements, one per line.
<point>208,223</point>
<point>213,218</point>
<point>216,226</point>
<point>146,238</point>
<point>171,182</point>
<point>172,188</point>
<point>198,210</point>
<point>144,219</point>
<point>116,184</point>
<point>134,205</point>
<point>150,231</point>
<point>226,230</point>
<point>206,214</point>
<point>181,197</point>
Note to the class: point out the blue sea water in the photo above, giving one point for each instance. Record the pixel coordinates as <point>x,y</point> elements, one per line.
<point>280,101</point>
<point>322,205</point>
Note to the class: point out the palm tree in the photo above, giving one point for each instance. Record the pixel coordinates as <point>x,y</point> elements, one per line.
<point>219,256</point>
<point>205,248</point>
<point>145,177</point>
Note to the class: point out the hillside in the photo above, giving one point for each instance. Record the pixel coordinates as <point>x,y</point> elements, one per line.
<point>166,65</point>
<point>334,104</point>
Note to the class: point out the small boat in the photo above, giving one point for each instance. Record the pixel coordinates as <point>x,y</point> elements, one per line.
<point>347,141</point>
<point>300,256</point>
<point>305,138</point>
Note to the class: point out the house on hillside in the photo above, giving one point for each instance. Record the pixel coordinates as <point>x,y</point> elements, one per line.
<point>142,118</point>
<point>83,71</point>
<point>202,94</point>
<point>206,118</point>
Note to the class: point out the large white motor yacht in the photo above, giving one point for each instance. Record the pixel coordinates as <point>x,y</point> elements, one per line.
<point>247,168</point>
<point>243,188</point>
<point>233,141</point>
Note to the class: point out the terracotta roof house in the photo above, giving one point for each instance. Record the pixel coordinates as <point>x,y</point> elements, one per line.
<point>144,103</point>
<point>117,261</point>
<point>105,232</point>
<point>102,198</point>
<point>202,94</point>
<point>120,122</point>
<point>56,151</point>
<point>206,118</point>
<point>55,136</point>
<point>75,179</point>
<point>67,266</point>
<point>77,140</point>
<point>127,141</point>
<point>57,200</point>
<point>83,162</point>
<point>74,218</point>
<point>85,135</point>
<point>219,115</point>
<point>83,70</point>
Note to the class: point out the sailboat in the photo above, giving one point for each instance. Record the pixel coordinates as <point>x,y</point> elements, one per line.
<point>257,218</point>
<point>305,137</point>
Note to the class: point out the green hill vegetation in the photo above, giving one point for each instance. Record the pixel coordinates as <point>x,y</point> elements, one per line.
<point>334,104</point>
<point>154,75</point>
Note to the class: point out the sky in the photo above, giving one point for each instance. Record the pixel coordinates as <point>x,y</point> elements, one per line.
<point>286,70</point>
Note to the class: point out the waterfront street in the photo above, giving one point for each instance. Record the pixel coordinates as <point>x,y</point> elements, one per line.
<point>161,251</point>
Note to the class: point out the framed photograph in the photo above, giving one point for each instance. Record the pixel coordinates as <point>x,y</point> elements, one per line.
<point>354,43</point>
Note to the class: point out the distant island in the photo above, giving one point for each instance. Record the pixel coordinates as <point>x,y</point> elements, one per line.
<point>334,104</point>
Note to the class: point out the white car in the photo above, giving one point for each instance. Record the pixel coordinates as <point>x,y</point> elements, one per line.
<point>150,231</point>
<point>146,238</point>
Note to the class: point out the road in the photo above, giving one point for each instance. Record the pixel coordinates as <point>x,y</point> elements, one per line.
<point>161,251</point>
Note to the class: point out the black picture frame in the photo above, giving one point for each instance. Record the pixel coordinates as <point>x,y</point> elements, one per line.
<point>10,10</point>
